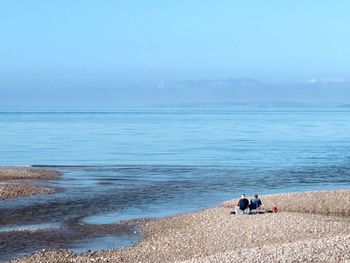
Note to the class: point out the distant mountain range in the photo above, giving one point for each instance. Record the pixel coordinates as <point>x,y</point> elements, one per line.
<point>250,92</point>
<point>239,92</point>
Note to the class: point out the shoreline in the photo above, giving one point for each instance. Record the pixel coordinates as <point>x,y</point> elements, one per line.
<point>310,226</point>
<point>17,182</point>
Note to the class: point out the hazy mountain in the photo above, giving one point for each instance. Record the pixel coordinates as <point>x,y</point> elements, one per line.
<point>202,92</point>
<point>246,92</point>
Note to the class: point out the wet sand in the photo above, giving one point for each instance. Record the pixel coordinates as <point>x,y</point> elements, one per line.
<point>19,182</point>
<point>309,227</point>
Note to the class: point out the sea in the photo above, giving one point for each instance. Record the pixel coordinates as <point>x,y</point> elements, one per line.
<point>122,164</point>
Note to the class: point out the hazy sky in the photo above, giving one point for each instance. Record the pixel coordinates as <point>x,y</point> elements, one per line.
<point>80,43</point>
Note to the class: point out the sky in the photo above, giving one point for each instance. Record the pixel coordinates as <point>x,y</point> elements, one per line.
<point>70,45</point>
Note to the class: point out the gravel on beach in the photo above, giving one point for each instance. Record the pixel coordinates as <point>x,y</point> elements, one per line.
<point>15,190</point>
<point>335,202</point>
<point>15,173</point>
<point>297,233</point>
<point>329,249</point>
<point>17,182</point>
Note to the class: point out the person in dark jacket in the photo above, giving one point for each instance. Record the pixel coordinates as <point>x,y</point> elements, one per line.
<point>243,203</point>
<point>255,202</point>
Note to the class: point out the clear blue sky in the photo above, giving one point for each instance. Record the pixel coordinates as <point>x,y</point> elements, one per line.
<point>103,42</point>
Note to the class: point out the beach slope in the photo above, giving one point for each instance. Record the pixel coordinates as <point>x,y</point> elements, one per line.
<point>309,227</point>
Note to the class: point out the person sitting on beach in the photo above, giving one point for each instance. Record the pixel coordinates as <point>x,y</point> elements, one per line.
<point>255,202</point>
<point>243,206</point>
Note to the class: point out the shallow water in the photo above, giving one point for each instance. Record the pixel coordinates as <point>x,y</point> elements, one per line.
<point>34,227</point>
<point>126,164</point>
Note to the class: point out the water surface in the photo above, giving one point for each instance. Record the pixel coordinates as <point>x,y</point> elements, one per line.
<point>126,164</point>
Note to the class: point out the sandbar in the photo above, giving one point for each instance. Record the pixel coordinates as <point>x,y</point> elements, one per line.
<point>18,182</point>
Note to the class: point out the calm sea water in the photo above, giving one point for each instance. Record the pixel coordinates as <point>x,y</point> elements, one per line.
<point>124,164</point>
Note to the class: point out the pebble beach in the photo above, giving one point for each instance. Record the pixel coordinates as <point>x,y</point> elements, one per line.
<point>19,182</point>
<point>308,227</point>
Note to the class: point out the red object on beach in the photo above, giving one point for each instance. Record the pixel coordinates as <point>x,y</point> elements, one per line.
<point>274,210</point>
